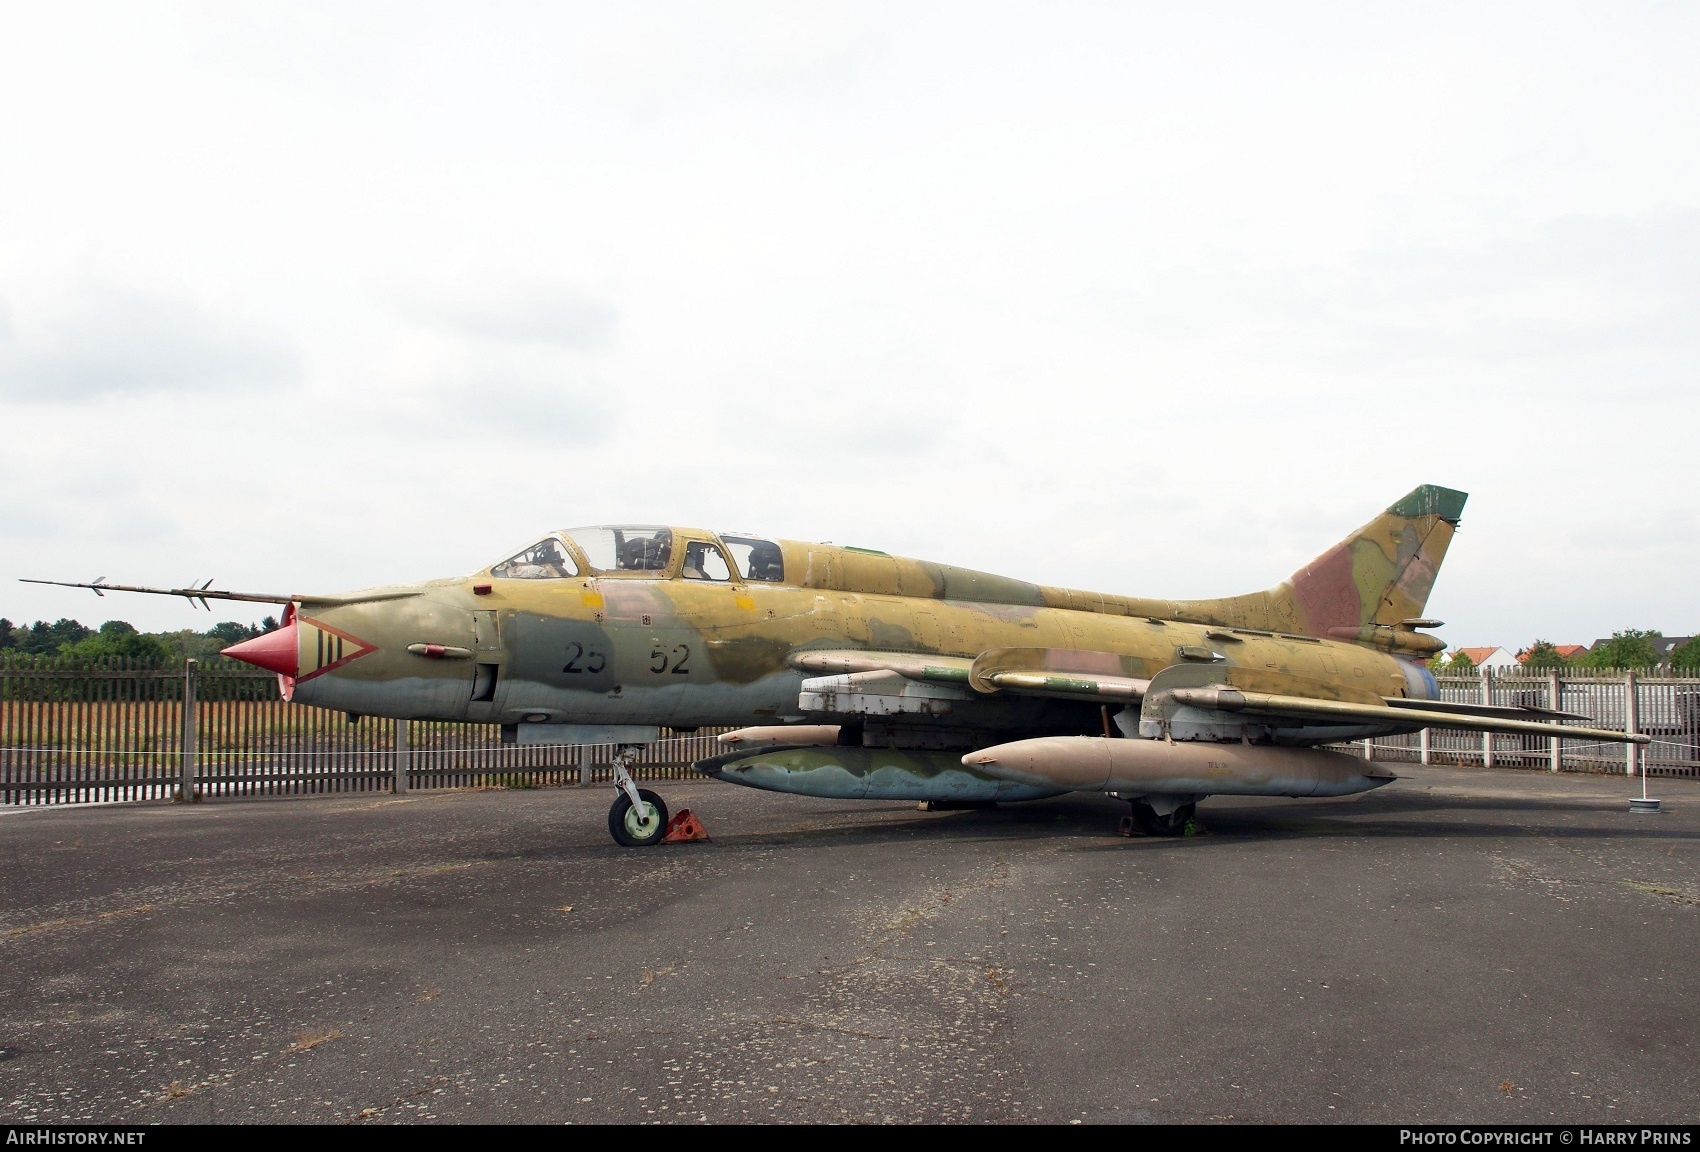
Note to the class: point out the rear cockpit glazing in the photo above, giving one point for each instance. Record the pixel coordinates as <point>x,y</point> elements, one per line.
<point>637,548</point>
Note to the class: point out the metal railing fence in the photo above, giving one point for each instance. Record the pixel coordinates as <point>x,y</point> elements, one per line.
<point>83,731</point>
<point>1665,707</point>
<point>76,731</point>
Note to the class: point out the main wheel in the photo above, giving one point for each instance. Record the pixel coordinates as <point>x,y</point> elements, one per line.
<point>1174,824</point>
<point>637,828</point>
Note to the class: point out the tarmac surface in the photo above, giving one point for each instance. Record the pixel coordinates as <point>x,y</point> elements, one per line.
<point>1462,945</point>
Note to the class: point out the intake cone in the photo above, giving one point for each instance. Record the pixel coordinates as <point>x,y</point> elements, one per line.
<point>274,651</point>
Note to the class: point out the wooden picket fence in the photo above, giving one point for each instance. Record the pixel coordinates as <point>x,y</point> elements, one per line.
<point>80,731</point>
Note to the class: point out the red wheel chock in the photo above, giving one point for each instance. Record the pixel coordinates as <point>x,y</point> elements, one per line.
<point>683,828</point>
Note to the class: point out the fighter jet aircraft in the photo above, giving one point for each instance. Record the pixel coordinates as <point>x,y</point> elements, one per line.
<point>851,673</point>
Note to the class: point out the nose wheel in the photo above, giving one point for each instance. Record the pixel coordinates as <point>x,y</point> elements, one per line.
<point>637,825</point>
<point>638,817</point>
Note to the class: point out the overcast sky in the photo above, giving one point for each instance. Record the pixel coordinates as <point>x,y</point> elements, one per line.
<point>1156,299</point>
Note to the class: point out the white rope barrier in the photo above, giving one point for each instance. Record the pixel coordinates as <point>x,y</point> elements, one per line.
<point>415,750</point>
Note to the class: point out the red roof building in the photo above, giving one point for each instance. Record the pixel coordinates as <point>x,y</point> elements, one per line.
<point>1495,658</point>
<point>1565,652</point>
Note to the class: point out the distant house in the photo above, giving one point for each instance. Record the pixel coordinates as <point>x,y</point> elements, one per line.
<point>1497,659</point>
<point>1662,645</point>
<point>1565,652</point>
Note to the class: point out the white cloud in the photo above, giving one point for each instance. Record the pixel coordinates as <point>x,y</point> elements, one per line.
<point>513,309</point>
<point>653,59</point>
<point>107,342</point>
<point>501,408</point>
<point>1156,299</point>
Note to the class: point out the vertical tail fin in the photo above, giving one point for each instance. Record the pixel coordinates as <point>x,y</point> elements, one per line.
<point>1374,579</point>
<point>1382,573</point>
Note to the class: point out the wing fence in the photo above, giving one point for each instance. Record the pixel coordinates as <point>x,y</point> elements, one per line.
<point>82,732</point>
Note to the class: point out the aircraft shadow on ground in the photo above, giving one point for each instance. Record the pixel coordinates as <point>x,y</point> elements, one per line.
<point>1095,821</point>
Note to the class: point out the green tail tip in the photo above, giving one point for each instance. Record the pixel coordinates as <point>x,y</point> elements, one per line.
<point>1432,500</point>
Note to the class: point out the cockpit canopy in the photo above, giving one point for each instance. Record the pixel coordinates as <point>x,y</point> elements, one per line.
<point>645,548</point>
<point>642,548</point>
<point>544,560</point>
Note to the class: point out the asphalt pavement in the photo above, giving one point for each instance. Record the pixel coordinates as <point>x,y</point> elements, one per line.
<point>1462,945</point>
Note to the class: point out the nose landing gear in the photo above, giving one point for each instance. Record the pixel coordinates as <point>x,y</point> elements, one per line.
<point>638,817</point>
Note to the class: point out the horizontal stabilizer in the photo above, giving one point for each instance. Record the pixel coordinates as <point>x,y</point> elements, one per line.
<point>1503,713</point>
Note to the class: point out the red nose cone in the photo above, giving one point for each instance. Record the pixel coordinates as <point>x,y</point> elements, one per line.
<point>273,651</point>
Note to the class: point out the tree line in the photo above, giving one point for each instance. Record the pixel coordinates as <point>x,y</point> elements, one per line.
<point>1631,648</point>
<point>120,638</point>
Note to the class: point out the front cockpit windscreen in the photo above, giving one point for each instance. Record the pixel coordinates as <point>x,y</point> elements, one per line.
<point>636,549</point>
<point>757,559</point>
<point>544,560</point>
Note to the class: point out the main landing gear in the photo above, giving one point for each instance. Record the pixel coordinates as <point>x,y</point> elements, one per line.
<point>1149,821</point>
<point>638,817</point>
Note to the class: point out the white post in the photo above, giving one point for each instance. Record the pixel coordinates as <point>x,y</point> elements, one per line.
<point>1555,698</point>
<point>1423,746</point>
<point>186,787</point>
<point>1369,748</point>
<point>403,757</point>
<point>1631,722</point>
<point>583,755</point>
<point>1487,698</point>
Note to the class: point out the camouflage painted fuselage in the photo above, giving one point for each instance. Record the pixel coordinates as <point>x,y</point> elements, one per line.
<point>656,648</point>
<point>615,633</point>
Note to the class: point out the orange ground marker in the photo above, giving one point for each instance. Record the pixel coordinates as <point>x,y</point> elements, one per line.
<point>683,828</point>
